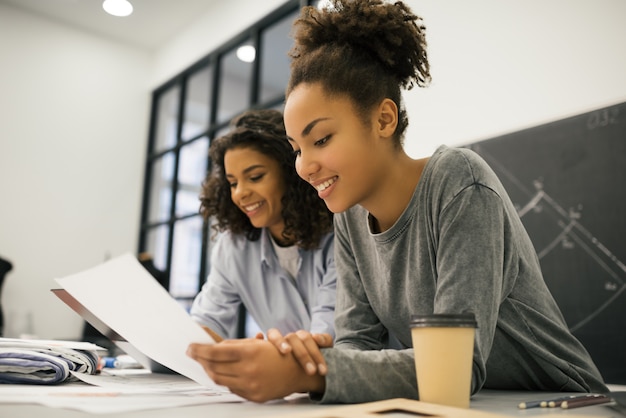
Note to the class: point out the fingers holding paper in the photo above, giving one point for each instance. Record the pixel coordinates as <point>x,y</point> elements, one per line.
<point>253,369</point>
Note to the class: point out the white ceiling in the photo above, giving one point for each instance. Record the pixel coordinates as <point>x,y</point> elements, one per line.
<point>152,23</point>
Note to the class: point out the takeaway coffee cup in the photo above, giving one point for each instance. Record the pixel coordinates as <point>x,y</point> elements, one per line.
<point>444,345</point>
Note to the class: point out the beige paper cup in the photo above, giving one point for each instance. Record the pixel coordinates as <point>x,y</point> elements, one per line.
<point>444,345</point>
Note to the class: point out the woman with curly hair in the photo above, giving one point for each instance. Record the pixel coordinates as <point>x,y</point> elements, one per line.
<point>274,250</point>
<point>413,236</point>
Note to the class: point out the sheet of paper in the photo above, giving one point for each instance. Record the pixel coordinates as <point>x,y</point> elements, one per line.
<point>122,294</point>
<point>102,400</point>
<point>143,380</point>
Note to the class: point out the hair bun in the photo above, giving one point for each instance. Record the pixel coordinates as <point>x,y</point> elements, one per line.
<point>389,32</point>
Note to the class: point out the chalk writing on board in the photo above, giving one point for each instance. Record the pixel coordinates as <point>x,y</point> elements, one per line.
<point>603,117</point>
<point>570,233</point>
<point>566,179</point>
<point>573,233</point>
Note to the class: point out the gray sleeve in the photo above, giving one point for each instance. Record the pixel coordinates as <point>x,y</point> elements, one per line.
<point>356,376</point>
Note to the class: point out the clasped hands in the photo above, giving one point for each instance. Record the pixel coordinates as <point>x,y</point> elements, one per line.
<point>260,369</point>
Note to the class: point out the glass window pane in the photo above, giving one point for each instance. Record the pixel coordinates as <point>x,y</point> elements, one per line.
<point>275,44</point>
<point>156,239</point>
<point>197,104</point>
<point>192,168</point>
<point>161,188</point>
<point>234,85</point>
<point>167,117</point>
<point>187,247</point>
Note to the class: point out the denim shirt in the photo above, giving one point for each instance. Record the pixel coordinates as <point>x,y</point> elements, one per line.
<point>249,272</point>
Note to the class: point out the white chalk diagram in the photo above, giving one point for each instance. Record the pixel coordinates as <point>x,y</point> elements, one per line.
<point>571,234</point>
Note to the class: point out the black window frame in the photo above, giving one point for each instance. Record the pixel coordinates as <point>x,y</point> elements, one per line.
<point>155,156</point>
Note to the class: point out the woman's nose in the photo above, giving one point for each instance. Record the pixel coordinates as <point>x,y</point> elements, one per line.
<point>306,167</point>
<point>240,191</point>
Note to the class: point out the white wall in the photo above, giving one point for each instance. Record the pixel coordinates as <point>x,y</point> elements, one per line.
<point>501,66</point>
<point>69,103</point>
<point>73,129</point>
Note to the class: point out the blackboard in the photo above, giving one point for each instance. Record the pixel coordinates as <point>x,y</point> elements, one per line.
<point>568,181</point>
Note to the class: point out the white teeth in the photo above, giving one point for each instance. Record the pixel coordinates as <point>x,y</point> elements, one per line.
<point>325,185</point>
<point>252,207</point>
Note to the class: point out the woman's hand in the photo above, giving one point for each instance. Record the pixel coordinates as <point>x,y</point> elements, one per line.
<point>253,369</point>
<point>305,347</point>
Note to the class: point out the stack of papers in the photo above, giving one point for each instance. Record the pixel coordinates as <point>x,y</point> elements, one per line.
<point>45,361</point>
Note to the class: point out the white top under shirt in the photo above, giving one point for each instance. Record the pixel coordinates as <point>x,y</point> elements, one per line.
<point>288,257</point>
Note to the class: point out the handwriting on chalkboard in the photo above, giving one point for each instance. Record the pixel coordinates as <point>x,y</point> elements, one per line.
<point>566,179</point>
<point>603,117</point>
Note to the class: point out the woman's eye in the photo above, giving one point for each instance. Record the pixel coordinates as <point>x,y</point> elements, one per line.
<point>232,185</point>
<point>256,178</point>
<point>322,141</point>
<point>297,152</point>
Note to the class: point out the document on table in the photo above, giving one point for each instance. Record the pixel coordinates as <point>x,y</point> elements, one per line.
<point>105,400</point>
<point>142,380</point>
<point>123,295</point>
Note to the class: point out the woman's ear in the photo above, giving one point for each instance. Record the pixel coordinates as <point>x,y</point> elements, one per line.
<point>387,118</point>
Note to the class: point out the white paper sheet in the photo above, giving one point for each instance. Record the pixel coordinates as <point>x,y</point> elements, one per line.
<point>103,400</point>
<point>122,294</point>
<point>144,381</point>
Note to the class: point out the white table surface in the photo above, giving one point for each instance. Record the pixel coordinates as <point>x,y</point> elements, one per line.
<point>501,402</point>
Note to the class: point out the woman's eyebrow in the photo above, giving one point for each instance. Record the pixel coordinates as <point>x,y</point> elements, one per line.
<point>307,129</point>
<point>246,170</point>
<point>253,167</point>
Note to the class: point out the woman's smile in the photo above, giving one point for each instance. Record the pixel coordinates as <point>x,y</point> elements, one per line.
<point>249,209</point>
<point>325,188</point>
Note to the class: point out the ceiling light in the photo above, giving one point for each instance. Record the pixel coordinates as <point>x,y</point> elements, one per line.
<point>117,7</point>
<point>246,53</point>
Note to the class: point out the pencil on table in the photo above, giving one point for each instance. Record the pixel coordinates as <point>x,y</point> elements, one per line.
<point>531,404</point>
<point>585,401</point>
<point>545,402</point>
<point>553,403</point>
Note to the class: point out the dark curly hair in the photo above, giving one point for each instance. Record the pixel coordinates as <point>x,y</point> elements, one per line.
<point>365,49</point>
<point>307,219</point>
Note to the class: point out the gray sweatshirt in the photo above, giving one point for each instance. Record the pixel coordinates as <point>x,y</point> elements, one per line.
<point>458,246</point>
